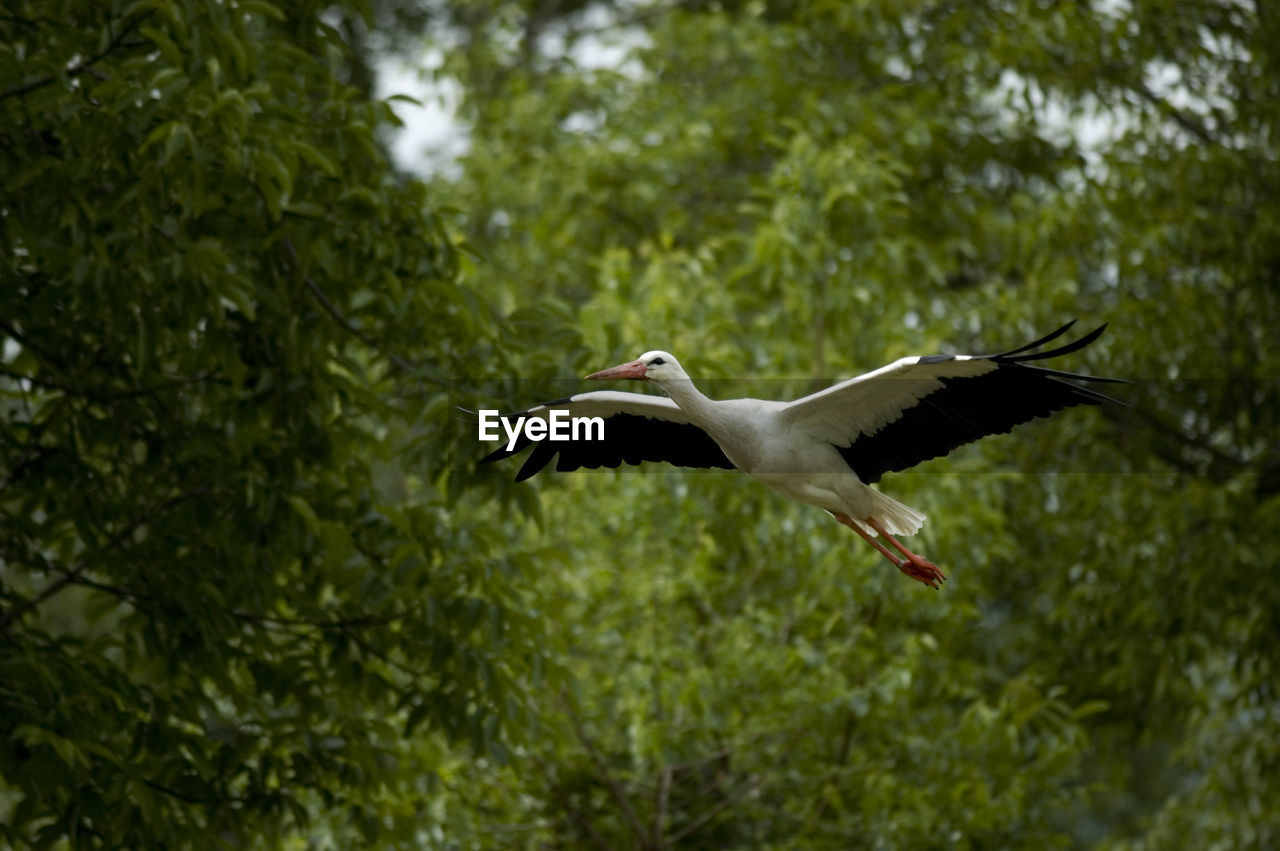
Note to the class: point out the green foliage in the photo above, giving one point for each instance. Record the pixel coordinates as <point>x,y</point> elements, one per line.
<point>232,592</point>
<point>254,593</point>
<point>810,190</point>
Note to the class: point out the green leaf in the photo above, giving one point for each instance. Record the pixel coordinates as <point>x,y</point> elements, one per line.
<point>167,48</point>
<point>305,511</point>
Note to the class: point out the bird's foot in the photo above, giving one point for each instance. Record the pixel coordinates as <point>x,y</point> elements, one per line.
<point>915,566</point>
<point>922,571</point>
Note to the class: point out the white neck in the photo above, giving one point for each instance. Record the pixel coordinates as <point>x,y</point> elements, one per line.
<point>714,417</point>
<point>705,412</point>
<point>688,397</point>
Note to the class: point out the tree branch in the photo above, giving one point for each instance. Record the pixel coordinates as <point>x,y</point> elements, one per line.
<point>1182,119</point>
<point>81,67</point>
<point>606,777</point>
<point>369,649</point>
<point>22,339</point>
<point>333,311</point>
<point>174,793</point>
<point>842,758</point>
<point>74,574</point>
<point>747,785</point>
<point>11,616</point>
<point>50,384</point>
<point>1159,424</point>
<point>33,454</point>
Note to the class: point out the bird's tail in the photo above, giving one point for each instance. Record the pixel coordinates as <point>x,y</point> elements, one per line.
<point>894,516</point>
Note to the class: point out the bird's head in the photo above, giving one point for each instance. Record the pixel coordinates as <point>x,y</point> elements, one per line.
<point>651,366</point>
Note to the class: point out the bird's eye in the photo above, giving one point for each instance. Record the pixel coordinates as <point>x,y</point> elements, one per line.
<point>657,362</point>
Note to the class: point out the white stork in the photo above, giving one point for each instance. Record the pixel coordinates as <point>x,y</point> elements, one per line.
<point>826,449</point>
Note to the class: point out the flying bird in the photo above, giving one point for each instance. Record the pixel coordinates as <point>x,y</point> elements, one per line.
<point>825,449</point>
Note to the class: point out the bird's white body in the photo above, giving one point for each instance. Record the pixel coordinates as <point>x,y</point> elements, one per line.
<point>754,436</point>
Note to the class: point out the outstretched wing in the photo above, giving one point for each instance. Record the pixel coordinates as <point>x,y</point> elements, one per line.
<point>924,407</point>
<point>637,428</point>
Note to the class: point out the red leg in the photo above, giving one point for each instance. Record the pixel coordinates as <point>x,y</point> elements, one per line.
<point>849,521</point>
<point>920,568</point>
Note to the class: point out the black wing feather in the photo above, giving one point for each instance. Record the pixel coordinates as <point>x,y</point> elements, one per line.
<point>628,439</point>
<point>1074,346</point>
<point>966,409</point>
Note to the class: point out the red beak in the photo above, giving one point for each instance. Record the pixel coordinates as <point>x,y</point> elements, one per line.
<point>635,369</point>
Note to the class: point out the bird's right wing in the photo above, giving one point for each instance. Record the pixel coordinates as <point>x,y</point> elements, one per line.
<point>923,407</point>
<point>633,428</point>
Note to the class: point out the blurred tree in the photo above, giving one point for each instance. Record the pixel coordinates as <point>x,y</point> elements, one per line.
<point>813,189</point>
<point>252,592</point>
<point>231,592</point>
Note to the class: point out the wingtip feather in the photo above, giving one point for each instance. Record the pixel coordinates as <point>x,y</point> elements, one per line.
<point>1035,344</point>
<point>1073,346</point>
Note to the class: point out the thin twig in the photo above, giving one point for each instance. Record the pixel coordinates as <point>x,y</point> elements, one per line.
<point>691,764</point>
<point>333,311</point>
<point>752,782</point>
<point>652,13</point>
<point>660,805</point>
<point>168,385</point>
<point>361,622</point>
<point>28,22</point>
<point>114,590</point>
<point>574,814</point>
<point>522,828</point>
<point>359,641</point>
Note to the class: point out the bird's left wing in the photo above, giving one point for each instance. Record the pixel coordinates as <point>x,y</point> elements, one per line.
<point>923,407</point>
<point>635,428</point>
